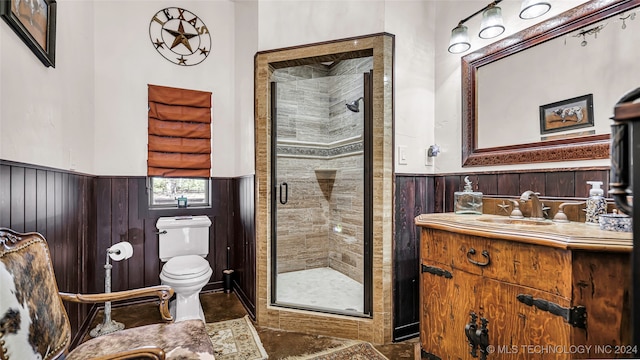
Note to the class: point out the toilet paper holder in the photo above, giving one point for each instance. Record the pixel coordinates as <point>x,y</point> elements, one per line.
<point>117,252</point>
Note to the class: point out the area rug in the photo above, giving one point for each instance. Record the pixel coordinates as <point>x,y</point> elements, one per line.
<point>236,339</point>
<point>358,351</point>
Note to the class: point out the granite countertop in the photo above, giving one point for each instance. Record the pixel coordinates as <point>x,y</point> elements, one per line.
<point>572,235</point>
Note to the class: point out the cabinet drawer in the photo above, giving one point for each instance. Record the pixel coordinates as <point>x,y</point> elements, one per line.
<point>540,267</point>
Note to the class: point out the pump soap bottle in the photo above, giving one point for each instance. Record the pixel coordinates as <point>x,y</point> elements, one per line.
<point>596,203</point>
<point>468,201</point>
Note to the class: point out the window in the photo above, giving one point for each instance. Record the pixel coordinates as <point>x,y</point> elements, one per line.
<point>179,147</point>
<point>165,192</point>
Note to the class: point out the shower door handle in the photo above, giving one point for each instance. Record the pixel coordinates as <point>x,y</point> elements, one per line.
<point>286,193</point>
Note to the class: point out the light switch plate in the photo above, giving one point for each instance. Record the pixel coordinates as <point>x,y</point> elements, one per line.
<point>402,155</point>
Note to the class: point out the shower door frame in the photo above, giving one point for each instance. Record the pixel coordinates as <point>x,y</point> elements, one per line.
<point>367,137</point>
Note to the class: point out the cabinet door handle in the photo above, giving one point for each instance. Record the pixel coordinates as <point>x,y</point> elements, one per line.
<point>485,253</point>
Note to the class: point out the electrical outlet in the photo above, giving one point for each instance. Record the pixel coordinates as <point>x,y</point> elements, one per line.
<point>72,162</point>
<point>428,160</point>
<point>402,155</point>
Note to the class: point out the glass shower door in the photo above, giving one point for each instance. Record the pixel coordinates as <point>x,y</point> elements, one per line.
<point>319,218</point>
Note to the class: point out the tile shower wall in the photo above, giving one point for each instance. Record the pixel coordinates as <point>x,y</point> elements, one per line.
<point>320,157</point>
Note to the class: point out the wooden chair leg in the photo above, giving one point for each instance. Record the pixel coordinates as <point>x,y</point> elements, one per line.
<point>417,354</point>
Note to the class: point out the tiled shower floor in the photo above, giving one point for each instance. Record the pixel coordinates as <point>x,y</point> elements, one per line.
<point>322,288</point>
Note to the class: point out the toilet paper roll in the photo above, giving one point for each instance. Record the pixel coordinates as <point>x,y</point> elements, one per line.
<point>120,251</point>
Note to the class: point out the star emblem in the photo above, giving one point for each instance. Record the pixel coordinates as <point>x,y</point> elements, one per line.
<point>204,51</point>
<point>158,44</point>
<point>182,60</point>
<point>180,37</point>
<point>504,207</point>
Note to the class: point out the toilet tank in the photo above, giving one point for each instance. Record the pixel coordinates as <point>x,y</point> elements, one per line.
<point>183,235</point>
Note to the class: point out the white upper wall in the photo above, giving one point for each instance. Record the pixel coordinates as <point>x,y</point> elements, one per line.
<point>290,23</point>
<point>413,23</point>
<point>47,114</point>
<point>126,61</point>
<point>246,40</point>
<point>90,112</point>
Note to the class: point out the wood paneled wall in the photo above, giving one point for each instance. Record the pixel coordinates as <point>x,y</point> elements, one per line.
<point>244,250</point>
<point>82,215</point>
<point>413,196</point>
<point>59,205</point>
<point>417,194</point>
<point>122,215</point>
<point>553,183</point>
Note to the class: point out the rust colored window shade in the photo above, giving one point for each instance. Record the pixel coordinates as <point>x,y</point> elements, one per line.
<point>179,143</point>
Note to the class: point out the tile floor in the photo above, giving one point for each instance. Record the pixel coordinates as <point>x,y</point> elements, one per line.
<point>320,288</point>
<point>278,344</point>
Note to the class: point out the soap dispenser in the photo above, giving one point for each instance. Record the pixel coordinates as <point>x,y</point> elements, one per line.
<point>468,201</point>
<point>596,203</point>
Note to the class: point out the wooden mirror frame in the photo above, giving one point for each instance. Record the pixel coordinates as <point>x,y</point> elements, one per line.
<point>582,148</point>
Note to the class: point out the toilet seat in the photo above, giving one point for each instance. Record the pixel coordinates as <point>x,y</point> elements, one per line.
<point>185,267</point>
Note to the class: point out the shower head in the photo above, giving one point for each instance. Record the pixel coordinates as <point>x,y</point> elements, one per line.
<point>354,105</point>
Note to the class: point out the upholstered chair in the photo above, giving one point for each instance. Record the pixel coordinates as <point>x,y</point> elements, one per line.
<point>34,323</point>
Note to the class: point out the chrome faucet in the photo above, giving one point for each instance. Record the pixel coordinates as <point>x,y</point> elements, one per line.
<point>536,205</point>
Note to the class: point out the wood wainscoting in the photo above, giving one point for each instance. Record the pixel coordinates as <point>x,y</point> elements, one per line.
<point>59,205</point>
<point>419,194</point>
<point>82,215</point>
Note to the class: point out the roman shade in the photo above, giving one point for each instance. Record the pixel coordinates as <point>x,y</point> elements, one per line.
<point>179,143</point>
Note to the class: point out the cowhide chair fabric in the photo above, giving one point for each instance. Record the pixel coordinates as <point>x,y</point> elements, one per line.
<point>34,323</point>
<point>181,340</point>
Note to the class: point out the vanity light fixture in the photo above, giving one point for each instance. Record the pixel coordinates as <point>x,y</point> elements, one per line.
<point>531,9</point>
<point>459,42</point>
<point>492,24</point>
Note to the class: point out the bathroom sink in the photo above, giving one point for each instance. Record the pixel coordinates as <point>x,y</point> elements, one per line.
<point>511,221</point>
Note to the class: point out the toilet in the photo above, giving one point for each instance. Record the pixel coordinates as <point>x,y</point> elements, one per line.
<point>183,245</point>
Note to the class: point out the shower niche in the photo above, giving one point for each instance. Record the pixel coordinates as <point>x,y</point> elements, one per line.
<point>320,230</point>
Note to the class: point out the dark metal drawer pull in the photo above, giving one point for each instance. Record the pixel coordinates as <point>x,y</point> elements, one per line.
<point>436,271</point>
<point>485,253</point>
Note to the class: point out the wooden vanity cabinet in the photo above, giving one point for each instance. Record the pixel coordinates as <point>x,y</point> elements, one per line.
<point>537,300</point>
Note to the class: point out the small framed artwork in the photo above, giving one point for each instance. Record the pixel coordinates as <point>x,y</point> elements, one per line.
<point>567,114</point>
<point>34,21</point>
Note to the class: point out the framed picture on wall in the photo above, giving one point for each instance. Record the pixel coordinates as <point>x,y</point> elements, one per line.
<point>34,21</point>
<point>567,114</point>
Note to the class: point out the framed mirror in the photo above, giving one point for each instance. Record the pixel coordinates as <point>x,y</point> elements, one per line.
<point>485,142</point>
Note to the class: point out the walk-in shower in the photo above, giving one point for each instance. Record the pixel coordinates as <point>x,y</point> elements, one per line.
<point>321,186</point>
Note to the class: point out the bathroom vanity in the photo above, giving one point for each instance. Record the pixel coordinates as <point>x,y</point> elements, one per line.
<point>493,287</point>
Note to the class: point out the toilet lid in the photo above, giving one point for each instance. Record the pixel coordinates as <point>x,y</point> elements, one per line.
<point>185,266</point>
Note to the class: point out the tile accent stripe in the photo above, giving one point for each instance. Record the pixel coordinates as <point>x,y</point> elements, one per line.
<point>316,150</point>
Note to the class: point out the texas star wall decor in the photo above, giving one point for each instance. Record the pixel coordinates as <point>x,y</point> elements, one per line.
<point>180,36</point>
